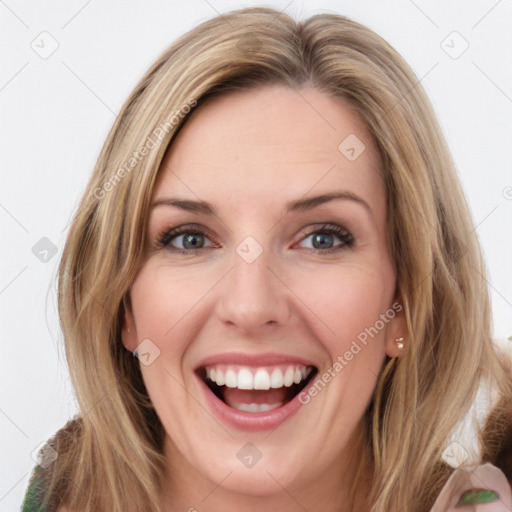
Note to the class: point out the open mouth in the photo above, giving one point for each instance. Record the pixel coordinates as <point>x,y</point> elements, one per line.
<point>254,390</point>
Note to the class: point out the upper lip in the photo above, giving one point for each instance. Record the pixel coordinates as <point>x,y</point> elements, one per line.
<point>245,359</point>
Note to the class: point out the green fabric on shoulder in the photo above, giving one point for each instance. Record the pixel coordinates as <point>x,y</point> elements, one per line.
<point>34,496</point>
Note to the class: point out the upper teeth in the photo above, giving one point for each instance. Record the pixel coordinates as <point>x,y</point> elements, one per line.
<point>244,377</point>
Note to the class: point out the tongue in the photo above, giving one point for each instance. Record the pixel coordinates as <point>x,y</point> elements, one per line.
<point>234,396</point>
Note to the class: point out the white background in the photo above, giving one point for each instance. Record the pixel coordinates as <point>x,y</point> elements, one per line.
<point>56,112</point>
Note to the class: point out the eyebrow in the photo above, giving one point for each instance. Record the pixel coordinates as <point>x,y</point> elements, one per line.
<point>298,205</point>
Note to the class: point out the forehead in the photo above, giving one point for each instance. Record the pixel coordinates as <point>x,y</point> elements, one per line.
<point>273,144</point>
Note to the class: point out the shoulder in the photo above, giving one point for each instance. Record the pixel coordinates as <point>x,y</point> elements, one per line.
<point>52,461</point>
<point>36,492</point>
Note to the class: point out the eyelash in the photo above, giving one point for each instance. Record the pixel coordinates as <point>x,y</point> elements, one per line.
<point>167,236</point>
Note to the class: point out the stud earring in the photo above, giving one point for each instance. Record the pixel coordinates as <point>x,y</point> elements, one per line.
<point>399,343</point>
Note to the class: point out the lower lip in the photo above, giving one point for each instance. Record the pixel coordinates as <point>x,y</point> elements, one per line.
<point>249,421</point>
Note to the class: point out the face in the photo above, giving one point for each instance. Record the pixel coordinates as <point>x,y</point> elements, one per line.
<point>265,319</point>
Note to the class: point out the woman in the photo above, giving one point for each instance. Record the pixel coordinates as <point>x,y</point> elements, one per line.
<point>275,229</point>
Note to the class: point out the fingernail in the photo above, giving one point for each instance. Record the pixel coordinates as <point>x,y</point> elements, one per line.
<point>472,496</point>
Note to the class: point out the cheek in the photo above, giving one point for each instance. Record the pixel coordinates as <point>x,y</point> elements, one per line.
<point>349,324</point>
<point>161,300</point>
<point>170,307</point>
<point>346,302</point>
<point>163,305</point>
<point>160,310</point>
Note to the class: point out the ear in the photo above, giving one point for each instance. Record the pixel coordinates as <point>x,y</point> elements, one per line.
<point>397,329</point>
<point>128,329</point>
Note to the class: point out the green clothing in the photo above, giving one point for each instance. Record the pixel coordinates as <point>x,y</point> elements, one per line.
<point>33,501</point>
<point>42,474</point>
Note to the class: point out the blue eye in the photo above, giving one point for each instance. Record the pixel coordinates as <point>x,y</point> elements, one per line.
<point>193,239</point>
<point>190,238</point>
<point>322,238</point>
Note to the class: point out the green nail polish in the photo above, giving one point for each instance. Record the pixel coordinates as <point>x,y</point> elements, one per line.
<point>477,496</point>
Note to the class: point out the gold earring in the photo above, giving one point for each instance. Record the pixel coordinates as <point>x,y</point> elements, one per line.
<point>399,343</point>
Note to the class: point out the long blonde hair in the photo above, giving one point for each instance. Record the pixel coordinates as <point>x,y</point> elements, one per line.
<point>111,456</point>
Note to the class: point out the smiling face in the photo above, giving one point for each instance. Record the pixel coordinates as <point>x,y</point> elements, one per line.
<point>253,294</point>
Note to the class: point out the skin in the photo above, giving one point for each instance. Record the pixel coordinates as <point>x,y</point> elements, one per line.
<point>248,154</point>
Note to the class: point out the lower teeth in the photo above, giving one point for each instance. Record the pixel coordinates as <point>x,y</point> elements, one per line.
<point>221,391</point>
<point>255,407</point>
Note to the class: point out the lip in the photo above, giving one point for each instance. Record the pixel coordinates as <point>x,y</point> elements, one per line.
<point>266,359</point>
<point>247,421</point>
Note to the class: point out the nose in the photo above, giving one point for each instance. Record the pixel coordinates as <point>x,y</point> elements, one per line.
<point>253,295</point>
